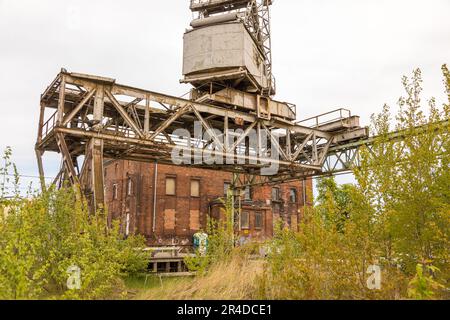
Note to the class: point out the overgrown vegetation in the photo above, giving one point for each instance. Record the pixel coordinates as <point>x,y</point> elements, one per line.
<point>43,235</point>
<point>396,217</point>
<point>220,242</point>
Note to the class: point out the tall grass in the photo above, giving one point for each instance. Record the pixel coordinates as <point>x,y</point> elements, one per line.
<point>232,279</point>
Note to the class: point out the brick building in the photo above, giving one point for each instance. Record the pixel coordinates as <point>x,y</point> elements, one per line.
<point>169,204</point>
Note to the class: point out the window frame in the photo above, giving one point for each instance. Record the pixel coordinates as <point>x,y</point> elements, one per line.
<point>248,227</point>
<point>278,194</point>
<point>197,180</point>
<point>261,215</point>
<point>115,191</point>
<point>295,195</point>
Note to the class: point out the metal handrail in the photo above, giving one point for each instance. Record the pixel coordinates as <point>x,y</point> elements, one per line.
<point>49,125</point>
<point>343,114</point>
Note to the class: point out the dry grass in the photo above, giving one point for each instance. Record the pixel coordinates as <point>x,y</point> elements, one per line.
<point>235,279</point>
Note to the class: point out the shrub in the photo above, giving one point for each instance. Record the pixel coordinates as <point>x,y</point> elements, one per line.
<point>45,234</point>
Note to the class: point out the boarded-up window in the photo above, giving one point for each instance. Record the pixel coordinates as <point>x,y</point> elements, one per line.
<point>171,186</point>
<point>194,222</point>
<point>245,220</point>
<point>169,219</point>
<point>195,188</point>
<point>258,220</point>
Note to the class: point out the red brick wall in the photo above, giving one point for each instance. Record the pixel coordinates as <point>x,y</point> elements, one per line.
<point>179,217</point>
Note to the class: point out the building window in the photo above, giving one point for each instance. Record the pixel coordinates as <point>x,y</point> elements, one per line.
<point>127,224</point>
<point>248,194</point>
<point>195,188</point>
<point>258,220</point>
<point>245,220</point>
<point>226,188</point>
<point>129,187</point>
<point>114,191</point>
<point>171,186</point>
<point>276,194</point>
<point>293,195</point>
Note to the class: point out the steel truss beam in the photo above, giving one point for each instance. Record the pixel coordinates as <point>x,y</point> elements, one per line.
<point>344,158</point>
<point>99,119</point>
<point>347,157</point>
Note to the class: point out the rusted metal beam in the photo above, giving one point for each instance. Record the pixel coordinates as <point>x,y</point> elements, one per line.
<point>67,159</point>
<point>209,130</point>
<point>78,108</point>
<point>96,146</point>
<point>125,115</point>
<point>180,112</point>
<point>41,169</point>
<point>158,147</point>
<point>61,100</point>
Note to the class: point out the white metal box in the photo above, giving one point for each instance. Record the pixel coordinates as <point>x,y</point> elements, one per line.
<point>223,52</point>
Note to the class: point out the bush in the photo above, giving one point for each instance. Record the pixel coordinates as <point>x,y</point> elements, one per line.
<point>397,217</point>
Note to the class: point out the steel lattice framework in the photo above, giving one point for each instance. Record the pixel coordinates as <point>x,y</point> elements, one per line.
<point>90,118</point>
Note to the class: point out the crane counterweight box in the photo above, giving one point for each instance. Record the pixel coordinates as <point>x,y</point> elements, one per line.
<point>224,53</point>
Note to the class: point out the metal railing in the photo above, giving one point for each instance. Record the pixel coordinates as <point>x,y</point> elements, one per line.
<point>49,125</point>
<point>326,118</point>
<point>201,3</point>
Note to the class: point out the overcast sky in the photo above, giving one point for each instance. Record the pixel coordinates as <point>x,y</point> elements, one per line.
<point>326,53</point>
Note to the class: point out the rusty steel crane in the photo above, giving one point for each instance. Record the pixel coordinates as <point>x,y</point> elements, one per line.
<point>89,119</point>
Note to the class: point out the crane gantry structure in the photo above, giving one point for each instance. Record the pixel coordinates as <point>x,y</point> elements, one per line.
<point>97,119</point>
<point>230,122</point>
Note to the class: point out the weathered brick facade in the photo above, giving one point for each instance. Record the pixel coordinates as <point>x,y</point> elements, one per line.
<point>130,194</point>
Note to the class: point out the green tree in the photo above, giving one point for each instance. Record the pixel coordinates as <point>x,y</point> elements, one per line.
<point>407,181</point>
<point>396,217</point>
<point>334,202</point>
